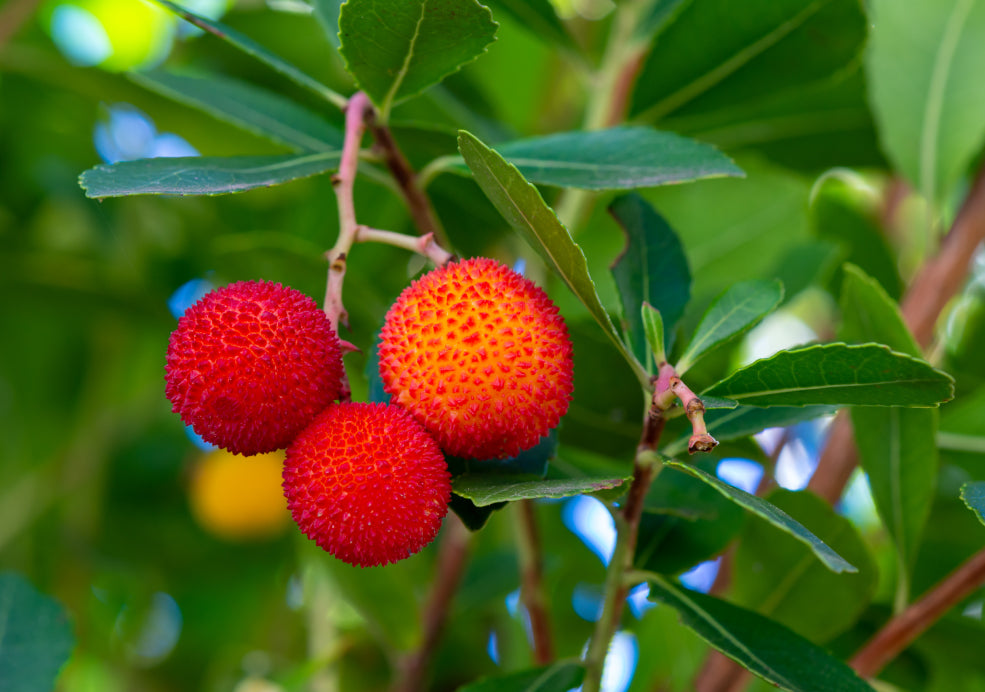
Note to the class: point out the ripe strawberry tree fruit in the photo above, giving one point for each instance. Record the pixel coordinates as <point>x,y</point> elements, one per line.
<point>251,364</point>
<point>480,356</point>
<point>367,483</point>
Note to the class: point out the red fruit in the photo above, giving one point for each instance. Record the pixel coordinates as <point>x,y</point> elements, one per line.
<point>251,364</point>
<point>480,356</point>
<point>367,483</point>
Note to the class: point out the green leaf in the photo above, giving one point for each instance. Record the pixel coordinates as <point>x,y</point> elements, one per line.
<point>619,158</point>
<point>898,451</point>
<point>737,311</point>
<point>812,127</point>
<point>751,225</point>
<point>473,516</point>
<point>35,636</point>
<point>924,68</point>
<point>658,15</point>
<point>327,13</point>
<point>205,175</point>
<point>557,677</point>
<point>489,489</point>
<point>743,421</point>
<point>766,648</point>
<point>539,18</point>
<point>525,210</point>
<point>897,447</point>
<point>255,50</point>
<point>869,314</point>
<point>845,215</point>
<point>837,374</point>
<point>261,112</point>
<point>719,55</point>
<point>652,269</point>
<point>653,328</point>
<point>773,515</point>
<point>396,52</point>
<point>973,495</point>
<point>684,522</point>
<point>777,576</point>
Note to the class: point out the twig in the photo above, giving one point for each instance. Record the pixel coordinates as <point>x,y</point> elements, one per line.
<point>667,387</point>
<point>903,629</point>
<point>423,245</point>
<point>356,112</point>
<point>531,575</point>
<point>452,557</point>
<point>13,16</point>
<point>417,201</point>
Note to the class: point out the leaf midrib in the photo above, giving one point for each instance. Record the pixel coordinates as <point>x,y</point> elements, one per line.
<point>943,60</point>
<point>727,67</point>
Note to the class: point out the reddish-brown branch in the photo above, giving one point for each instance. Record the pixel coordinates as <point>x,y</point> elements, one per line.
<point>452,557</point>
<point>14,15</point>
<point>903,629</point>
<point>417,201</point>
<point>532,590</point>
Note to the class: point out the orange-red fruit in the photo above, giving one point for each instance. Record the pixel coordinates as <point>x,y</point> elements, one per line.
<point>480,356</point>
<point>251,364</point>
<point>367,483</point>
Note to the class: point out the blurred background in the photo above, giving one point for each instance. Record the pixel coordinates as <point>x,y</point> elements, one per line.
<point>179,565</point>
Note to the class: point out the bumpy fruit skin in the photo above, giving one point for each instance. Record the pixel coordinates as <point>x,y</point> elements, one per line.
<point>367,483</point>
<point>480,356</point>
<point>251,364</point>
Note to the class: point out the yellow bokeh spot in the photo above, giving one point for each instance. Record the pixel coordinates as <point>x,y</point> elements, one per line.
<point>239,498</point>
<point>119,34</point>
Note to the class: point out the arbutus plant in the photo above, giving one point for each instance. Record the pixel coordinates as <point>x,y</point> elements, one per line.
<point>472,386</point>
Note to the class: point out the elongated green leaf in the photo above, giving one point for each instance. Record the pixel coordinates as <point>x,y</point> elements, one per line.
<point>619,158</point>
<point>973,495</point>
<point>660,13</point>
<point>897,447</point>
<point>653,328</point>
<point>773,515</point>
<point>743,421</point>
<point>869,314</point>
<point>777,576</point>
<point>738,310</point>
<point>255,110</point>
<point>327,13</point>
<point>473,516</point>
<point>837,374</point>
<point>924,68</point>
<point>205,175</point>
<point>255,50</point>
<point>766,648</point>
<point>557,677</point>
<point>684,522</point>
<point>812,126</point>
<point>719,55</point>
<point>35,636</point>
<point>490,489</point>
<point>843,214</point>
<point>397,52</point>
<point>652,269</point>
<point>525,210</point>
<point>898,451</point>
<point>538,17</point>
